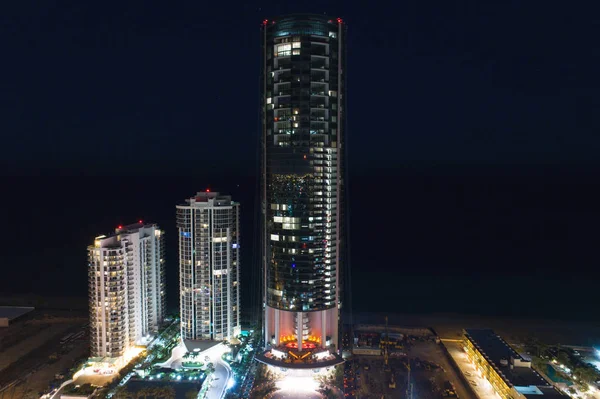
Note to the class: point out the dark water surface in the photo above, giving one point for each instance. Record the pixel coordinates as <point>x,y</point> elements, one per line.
<point>519,242</point>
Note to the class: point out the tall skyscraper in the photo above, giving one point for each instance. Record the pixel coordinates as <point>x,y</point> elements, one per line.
<point>209,267</point>
<point>126,276</point>
<point>303,127</point>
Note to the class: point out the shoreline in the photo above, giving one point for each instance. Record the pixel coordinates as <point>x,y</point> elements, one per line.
<point>513,329</point>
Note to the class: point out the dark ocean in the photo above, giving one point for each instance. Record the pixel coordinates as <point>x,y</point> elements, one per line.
<point>518,241</point>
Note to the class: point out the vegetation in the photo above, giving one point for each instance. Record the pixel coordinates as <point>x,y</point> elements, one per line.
<point>539,363</point>
<point>163,392</point>
<point>327,393</point>
<point>84,390</point>
<point>192,364</point>
<point>586,374</point>
<point>124,371</point>
<point>264,383</point>
<point>584,388</point>
<point>537,348</point>
<point>579,371</point>
<point>263,391</point>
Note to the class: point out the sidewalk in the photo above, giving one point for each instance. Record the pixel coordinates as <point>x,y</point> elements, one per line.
<point>477,383</point>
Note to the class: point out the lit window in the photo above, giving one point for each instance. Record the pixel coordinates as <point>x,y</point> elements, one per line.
<point>333,35</point>
<point>268,100</point>
<point>274,237</point>
<point>296,45</point>
<point>282,50</point>
<point>332,93</point>
<point>295,124</point>
<point>295,52</point>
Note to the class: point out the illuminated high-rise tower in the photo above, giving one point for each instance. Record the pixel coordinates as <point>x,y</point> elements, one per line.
<point>209,268</point>
<point>126,274</point>
<point>303,128</point>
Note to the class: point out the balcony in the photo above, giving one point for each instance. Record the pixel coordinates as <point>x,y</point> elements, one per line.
<point>282,83</point>
<point>283,79</point>
<point>319,51</point>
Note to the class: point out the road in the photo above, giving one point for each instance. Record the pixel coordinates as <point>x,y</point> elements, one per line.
<point>57,393</point>
<point>219,381</point>
<point>220,378</point>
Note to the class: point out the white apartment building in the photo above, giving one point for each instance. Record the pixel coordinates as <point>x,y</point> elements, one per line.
<point>127,288</point>
<point>209,267</point>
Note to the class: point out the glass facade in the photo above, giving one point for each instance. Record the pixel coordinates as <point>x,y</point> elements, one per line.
<point>302,158</point>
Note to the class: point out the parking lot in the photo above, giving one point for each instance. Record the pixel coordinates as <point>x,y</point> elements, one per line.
<point>430,374</point>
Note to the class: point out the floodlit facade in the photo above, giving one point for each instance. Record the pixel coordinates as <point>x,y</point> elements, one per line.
<point>126,274</point>
<point>209,267</point>
<point>509,374</point>
<point>303,128</point>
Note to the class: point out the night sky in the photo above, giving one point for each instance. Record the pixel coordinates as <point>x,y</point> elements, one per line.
<point>473,142</point>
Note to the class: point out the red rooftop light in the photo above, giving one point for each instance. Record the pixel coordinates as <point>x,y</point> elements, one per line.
<point>140,221</point>
<point>208,190</point>
<point>120,227</point>
<point>339,20</point>
<point>265,22</point>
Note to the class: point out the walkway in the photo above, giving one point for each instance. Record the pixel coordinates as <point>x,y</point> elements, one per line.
<point>479,385</point>
<point>221,377</point>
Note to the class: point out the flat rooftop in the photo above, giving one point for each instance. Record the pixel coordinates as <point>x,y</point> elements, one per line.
<point>495,349</point>
<point>549,393</point>
<point>525,379</point>
<point>12,312</point>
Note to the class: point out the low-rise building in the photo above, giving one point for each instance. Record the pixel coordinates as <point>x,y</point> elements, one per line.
<point>509,373</point>
<point>9,314</point>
